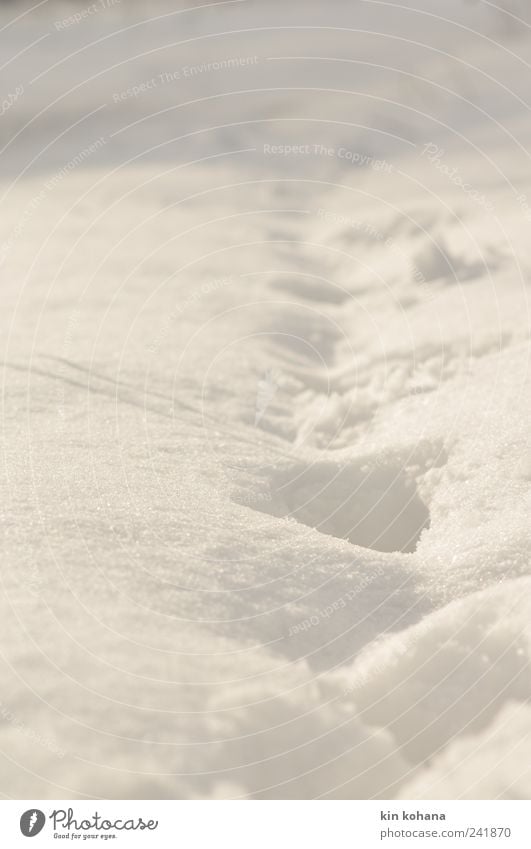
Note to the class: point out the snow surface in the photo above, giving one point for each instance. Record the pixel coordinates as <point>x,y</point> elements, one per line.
<point>266,477</point>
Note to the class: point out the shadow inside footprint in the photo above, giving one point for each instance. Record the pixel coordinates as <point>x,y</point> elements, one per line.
<point>377,508</point>
<point>311,289</point>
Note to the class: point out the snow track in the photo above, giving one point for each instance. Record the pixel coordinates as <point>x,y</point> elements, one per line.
<point>265,418</point>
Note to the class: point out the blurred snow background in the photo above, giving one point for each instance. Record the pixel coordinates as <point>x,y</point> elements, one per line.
<point>266,467</point>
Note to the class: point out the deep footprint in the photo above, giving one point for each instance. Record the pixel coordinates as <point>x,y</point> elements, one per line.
<point>316,289</point>
<point>376,508</point>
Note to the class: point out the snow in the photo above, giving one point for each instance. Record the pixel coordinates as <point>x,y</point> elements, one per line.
<point>266,476</point>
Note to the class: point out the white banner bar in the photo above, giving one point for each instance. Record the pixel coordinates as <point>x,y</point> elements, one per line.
<point>263,825</point>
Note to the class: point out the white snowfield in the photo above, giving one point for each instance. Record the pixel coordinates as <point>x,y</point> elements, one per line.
<point>266,465</point>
